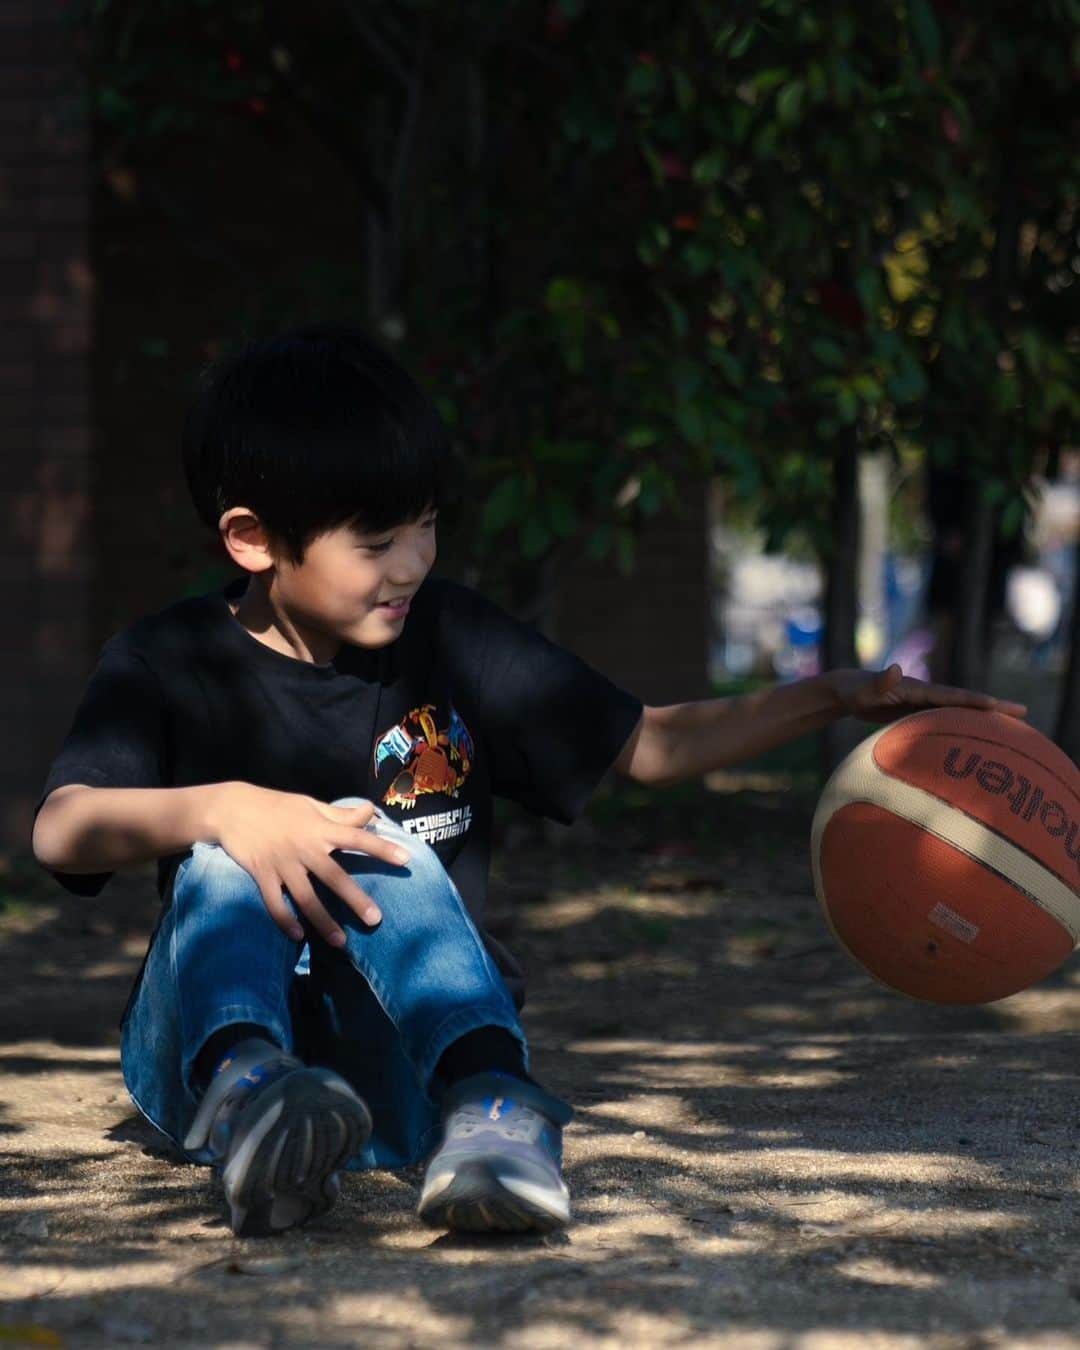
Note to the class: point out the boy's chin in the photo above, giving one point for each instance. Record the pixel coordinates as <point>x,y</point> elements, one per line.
<point>376,631</point>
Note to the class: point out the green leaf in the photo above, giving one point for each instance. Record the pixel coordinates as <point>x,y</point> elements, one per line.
<point>829,353</point>
<point>699,259</point>
<point>564,293</point>
<point>765,80</point>
<point>741,44</point>
<point>609,326</point>
<point>680,324</point>
<point>924,26</point>
<point>907,383</point>
<point>709,168</point>
<point>503,507</point>
<point>562,517</point>
<point>690,422</point>
<point>729,365</point>
<point>685,92</point>
<point>624,551</point>
<point>847,405</point>
<point>789,103</point>
<point>1012,518</point>
<point>642,81</point>
<point>535,538</point>
<point>640,438</point>
<point>598,542</point>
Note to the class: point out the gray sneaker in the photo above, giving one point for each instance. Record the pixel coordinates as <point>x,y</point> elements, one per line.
<point>277,1132</point>
<point>498,1168</point>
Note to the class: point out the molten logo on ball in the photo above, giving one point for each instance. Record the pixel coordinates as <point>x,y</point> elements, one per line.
<point>997,779</point>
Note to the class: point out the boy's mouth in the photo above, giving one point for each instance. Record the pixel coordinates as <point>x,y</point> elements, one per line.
<point>396,606</point>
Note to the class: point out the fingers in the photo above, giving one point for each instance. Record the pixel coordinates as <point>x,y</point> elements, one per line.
<point>948,696</point>
<point>278,909</point>
<point>306,901</point>
<point>338,880</point>
<point>374,845</point>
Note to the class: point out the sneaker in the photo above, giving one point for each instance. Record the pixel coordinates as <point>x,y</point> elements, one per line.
<point>498,1166</point>
<point>276,1132</point>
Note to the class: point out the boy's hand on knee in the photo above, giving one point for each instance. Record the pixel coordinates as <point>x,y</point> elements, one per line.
<point>283,839</point>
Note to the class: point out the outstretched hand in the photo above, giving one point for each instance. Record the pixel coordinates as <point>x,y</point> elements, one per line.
<point>885,695</point>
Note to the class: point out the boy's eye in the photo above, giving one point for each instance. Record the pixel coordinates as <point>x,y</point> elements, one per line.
<point>384,544</point>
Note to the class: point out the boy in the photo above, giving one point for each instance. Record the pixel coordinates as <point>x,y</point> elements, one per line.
<point>311,754</point>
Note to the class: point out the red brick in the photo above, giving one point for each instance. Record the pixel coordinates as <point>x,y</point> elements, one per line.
<point>57,441</point>
<point>68,208</point>
<point>59,372</point>
<point>19,13</point>
<point>13,308</point>
<point>16,375</point>
<point>20,513</point>
<point>17,244</point>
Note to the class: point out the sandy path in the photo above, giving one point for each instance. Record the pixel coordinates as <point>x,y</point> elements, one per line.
<point>770,1151</point>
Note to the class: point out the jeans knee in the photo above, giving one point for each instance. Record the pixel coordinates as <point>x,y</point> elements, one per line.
<point>381,824</point>
<point>212,868</point>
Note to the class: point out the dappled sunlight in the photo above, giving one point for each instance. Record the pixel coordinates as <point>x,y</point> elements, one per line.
<point>381,1313</point>
<point>660,1050</point>
<point>763,1136</point>
<point>562,912</point>
<point>1042,1009</point>
<point>644,1109</point>
<point>810,1052</point>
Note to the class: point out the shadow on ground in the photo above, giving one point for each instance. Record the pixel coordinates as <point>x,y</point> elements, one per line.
<point>770,1149</point>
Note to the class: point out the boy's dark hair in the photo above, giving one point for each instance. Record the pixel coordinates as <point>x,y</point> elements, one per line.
<point>314,429</point>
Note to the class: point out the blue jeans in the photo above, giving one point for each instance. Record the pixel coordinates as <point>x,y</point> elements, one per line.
<point>380,1010</point>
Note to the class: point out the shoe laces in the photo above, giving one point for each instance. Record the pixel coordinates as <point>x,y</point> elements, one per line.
<point>500,1115</point>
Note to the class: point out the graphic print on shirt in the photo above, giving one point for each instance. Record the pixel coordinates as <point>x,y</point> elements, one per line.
<point>434,760</point>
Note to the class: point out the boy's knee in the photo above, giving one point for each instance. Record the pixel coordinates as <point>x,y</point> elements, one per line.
<point>423,860</point>
<point>211,867</point>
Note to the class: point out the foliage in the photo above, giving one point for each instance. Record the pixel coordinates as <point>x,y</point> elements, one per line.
<point>634,249</point>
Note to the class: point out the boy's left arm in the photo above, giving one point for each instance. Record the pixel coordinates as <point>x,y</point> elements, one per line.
<point>686,740</point>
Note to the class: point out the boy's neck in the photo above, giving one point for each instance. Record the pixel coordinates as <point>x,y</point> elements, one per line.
<point>256,613</point>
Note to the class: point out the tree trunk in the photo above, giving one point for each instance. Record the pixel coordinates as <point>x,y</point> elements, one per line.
<point>971,639</point>
<point>1067,734</point>
<point>841,591</point>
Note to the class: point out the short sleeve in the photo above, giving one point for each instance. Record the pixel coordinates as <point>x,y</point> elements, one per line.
<point>116,739</point>
<point>552,724</point>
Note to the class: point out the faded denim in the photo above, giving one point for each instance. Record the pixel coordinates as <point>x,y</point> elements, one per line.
<point>380,1010</point>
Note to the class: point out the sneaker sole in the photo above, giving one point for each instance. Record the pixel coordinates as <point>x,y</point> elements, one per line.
<point>475,1199</point>
<point>284,1170</point>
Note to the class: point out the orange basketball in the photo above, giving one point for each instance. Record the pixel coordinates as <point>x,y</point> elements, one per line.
<point>946,855</point>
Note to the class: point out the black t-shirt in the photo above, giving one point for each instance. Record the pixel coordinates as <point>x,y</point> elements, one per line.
<point>467,703</point>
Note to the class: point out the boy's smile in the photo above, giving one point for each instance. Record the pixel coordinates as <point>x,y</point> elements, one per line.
<point>351,587</point>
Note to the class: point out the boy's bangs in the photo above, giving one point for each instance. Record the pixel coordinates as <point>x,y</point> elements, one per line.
<point>373,473</point>
<point>355,444</point>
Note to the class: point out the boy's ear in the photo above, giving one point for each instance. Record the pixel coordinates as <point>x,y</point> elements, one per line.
<point>247,539</point>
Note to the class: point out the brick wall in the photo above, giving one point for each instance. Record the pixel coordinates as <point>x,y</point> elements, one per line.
<point>45,308</point>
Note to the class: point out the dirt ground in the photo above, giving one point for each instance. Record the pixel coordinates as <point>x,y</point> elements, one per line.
<point>770,1150</point>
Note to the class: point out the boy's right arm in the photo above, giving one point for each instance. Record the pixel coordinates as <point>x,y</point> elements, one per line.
<point>98,829</point>
<point>281,839</point>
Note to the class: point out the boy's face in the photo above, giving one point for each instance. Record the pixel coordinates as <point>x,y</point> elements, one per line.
<point>356,587</point>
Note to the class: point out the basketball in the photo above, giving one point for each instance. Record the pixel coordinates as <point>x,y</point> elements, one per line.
<point>946,855</point>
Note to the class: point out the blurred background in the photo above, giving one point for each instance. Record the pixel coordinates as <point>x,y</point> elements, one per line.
<point>756,322</point>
